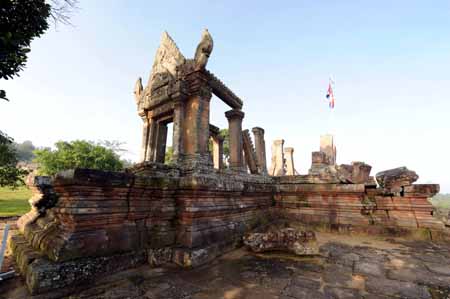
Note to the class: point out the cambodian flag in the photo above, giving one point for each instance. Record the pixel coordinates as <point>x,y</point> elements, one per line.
<point>330,95</point>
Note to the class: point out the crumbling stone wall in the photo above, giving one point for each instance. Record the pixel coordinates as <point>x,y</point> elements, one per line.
<point>154,214</point>
<point>358,207</point>
<point>150,214</point>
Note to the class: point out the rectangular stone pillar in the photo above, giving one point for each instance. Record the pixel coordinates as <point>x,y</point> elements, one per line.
<point>327,146</point>
<point>196,126</point>
<point>145,136</point>
<point>235,131</point>
<point>178,120</point>
<point>260,149</point>
<point>277,165</point>
<point>161,143</point>
<point>152,139</point>
<point>218,151</point>
<point>289,158</point>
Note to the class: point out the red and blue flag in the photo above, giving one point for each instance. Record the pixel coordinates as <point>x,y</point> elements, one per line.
<point>330,95</point>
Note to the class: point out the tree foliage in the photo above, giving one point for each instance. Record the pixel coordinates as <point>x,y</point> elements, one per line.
<point>226,143</point>
<point>168,158</point>
<point>10,175</point>
<point>78,153</point>
<point>25,151</point>
<point>20,22</point>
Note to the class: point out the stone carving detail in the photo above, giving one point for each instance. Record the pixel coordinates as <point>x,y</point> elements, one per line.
<point>168,57</point>
<point>203,51</point>
<point>288,239</point>
<point>43,199</point>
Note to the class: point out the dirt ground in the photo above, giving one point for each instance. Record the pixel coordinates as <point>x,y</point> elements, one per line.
<point>347,267</point>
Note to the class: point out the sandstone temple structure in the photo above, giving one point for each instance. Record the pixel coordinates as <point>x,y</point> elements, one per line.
<point>84,223</point>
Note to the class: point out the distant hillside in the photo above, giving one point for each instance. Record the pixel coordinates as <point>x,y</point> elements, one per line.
<point>441,201</point>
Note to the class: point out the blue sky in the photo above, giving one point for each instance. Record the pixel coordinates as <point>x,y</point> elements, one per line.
<point>390,60</point>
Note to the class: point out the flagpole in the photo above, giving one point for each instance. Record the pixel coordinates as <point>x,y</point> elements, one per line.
<point>331,87</point>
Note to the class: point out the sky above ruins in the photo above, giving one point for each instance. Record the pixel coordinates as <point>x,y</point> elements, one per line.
<point>390,61</point>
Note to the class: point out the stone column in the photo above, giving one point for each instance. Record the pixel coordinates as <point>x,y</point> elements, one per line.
<point>277,165</point>
<point>289,158</point>
<point>178,120</point>
<point>235,130</point>
<point>145,135</point>
<point>260,149</point>
<point>327,146</point>
<point>218,151</point>
<point>196,124</point>
<point>152,139</point>
<point>161,140</point>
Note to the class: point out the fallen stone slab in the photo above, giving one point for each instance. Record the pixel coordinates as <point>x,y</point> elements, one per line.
<point>286,239</point>
<point>397,177</point>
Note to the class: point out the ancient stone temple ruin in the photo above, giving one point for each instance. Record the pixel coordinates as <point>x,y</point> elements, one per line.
<point>86,223</point>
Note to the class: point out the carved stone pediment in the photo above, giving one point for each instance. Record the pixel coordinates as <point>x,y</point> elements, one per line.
<point>167,60</point>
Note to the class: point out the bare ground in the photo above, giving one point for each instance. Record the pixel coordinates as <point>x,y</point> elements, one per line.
<point>349,266</point>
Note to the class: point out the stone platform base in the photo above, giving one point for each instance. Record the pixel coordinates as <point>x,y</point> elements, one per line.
<point>42,275</point>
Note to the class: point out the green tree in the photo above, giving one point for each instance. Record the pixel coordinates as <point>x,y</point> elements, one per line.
<point>25,151</point>
<point>20,22</point>
<point>78,153</point>
<point>10,175</point>
<point>226,143</point>
<point>168,158</point>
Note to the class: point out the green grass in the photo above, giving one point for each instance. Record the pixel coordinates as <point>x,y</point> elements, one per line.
<point>14,202</point>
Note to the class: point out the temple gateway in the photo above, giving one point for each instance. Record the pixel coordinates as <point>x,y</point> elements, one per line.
<point>85,223</point>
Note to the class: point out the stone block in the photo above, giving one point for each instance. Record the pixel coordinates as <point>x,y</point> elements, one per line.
<point>287,239</point>
<point>397,177</point>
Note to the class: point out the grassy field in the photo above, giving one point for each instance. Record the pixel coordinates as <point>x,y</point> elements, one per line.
<point>14,202</point>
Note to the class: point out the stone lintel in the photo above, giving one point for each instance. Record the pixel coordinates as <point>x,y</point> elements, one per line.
<point>223,92</point>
